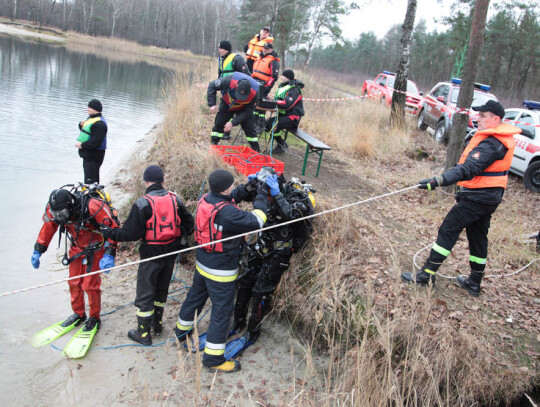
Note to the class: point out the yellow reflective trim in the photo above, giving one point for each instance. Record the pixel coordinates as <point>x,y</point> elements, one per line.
<point>145,314</point>
<point>159,304</point>
<point>184,327</point>
<point>441,250</point>
<point>214,352</point>
<point>221,279</point>
<point>477,260</point>
<point>252,139</point>
<point>430,272</point>
<point>260,214</point>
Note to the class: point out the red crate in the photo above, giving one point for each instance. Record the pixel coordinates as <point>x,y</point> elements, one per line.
<point>225,150</point>
<point>251,163</point>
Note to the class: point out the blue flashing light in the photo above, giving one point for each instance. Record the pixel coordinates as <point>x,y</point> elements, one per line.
<point>389,73</point>
<point>531,104</point>
<point>457,81</point>
<point>481,86</point>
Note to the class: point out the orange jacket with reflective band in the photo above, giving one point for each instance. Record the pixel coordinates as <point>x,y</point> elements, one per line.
<point>255,46</point>
<point>262,69</point>
<point>496,175</point>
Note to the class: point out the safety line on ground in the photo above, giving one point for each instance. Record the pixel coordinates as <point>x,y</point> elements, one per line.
<point>209,243</point>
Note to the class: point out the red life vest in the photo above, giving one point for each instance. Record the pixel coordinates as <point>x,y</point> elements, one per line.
<point>230,95</point>
<point>205,224</point>
<point>164,225</point>
<point>496,175</point>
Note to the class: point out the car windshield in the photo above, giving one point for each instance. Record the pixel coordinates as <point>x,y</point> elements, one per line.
<point>479,98</point>
<point>411,87</point>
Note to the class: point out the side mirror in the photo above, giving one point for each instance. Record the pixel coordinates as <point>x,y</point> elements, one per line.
<point>441,98</point>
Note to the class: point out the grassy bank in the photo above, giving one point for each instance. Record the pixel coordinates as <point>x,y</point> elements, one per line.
<point>387,344</point>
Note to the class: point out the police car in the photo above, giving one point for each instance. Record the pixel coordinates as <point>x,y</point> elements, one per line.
<point>526,161</point>
<point>440,106</point>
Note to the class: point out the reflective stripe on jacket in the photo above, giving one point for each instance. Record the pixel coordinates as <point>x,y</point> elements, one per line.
<point>85,130</point>
<point>496,175</point>
<point>255,46</point>
<point>226,65</point>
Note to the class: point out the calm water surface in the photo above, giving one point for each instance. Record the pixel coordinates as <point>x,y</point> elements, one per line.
<point>44,91</point>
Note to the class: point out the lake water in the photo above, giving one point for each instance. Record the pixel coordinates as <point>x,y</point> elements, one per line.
<point>44,91</point>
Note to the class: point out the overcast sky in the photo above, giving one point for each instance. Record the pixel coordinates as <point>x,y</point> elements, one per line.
<point>380,15</point>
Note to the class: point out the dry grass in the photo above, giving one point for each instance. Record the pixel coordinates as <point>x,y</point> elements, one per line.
<point>386,344</point>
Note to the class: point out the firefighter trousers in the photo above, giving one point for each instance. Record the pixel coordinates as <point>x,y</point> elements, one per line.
<point>475,218</point>
<point>153,280</point>
<point>248,126</point>
<point>222,296</point>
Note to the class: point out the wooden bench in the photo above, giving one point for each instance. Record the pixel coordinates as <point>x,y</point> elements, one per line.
<point>312,146</point>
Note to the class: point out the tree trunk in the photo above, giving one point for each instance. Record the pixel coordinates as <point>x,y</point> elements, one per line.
<point>397,114</point>
<point>472,60</point>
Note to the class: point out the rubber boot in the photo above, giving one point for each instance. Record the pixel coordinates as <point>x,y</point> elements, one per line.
<point>229,366</point>
<point>255,146</point>
<point>214,142</point>
<point>74,319</point>
<point>259,308</point>
<point>158,323</point>
<point>422,278</point>
<point>91,323</point>
<point>472,283</point>
<point>280,148</point>
<point>142,333</point>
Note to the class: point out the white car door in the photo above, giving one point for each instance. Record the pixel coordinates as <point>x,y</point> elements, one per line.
<point>527,122</point>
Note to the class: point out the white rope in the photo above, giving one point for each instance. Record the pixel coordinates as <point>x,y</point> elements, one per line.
<point>209,243</point>
<point>488,276</point>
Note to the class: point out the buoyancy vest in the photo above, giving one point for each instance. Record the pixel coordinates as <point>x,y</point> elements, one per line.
<point>496,175</point>
<point>281,94</point>
<point>262,69</point>
<point>229,97</point>
<point>84,135</point>
<point>164,225</point>
<point>255,46</point>
<point>206,229</point>
<point>226,65</point>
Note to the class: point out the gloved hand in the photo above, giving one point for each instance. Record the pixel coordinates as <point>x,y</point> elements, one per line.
<point>35,259</point>
<point>105,230</point>
<point>273,184</point>
<point>106,262</point>
<point>251,177</point>
<point>431,183</point>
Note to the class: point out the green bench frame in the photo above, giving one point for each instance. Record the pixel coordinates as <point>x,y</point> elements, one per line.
<point>313,146</point>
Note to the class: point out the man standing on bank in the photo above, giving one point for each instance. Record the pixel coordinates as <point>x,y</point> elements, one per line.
<point>92,141</point>
<point>217,264</point>
<point>482,175</point>
<point>240,93</point>
<point>160,220</point>
<point>230,62</point>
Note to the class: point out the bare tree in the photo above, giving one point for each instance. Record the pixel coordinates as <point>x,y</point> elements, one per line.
<point>472,60</point>
<point>397,115</point>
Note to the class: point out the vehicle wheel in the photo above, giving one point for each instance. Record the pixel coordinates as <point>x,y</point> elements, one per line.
<point>440,133</point>
<point>531,179</point>
<point>365,96</point>
<point>421,124</point>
